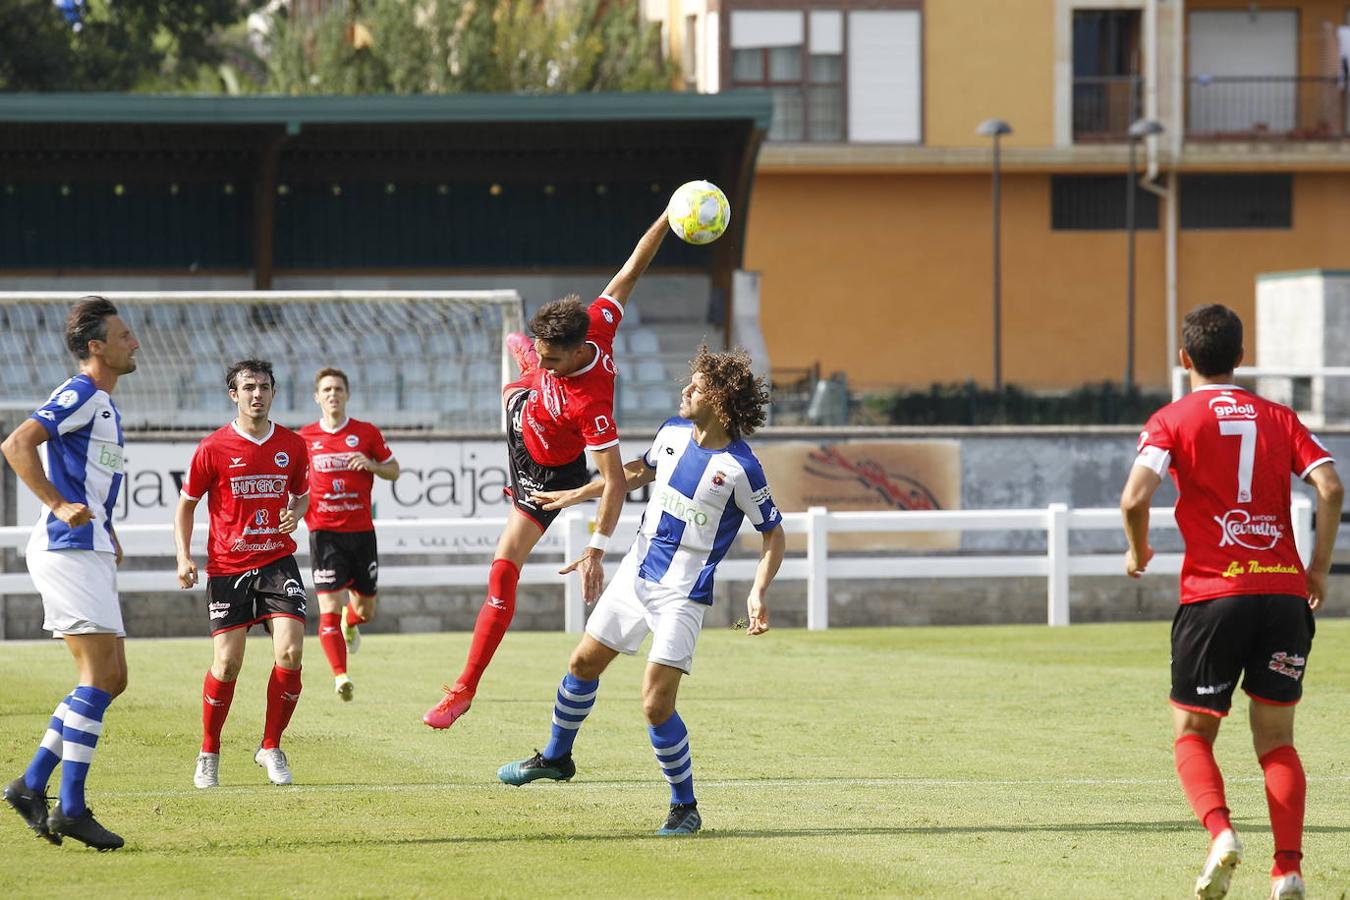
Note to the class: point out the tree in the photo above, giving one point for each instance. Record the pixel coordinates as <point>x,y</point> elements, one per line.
<point>119,45</point>
<point>454,46</point>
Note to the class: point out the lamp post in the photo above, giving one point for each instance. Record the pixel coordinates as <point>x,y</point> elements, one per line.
<point>996,128</point>
<point>1139,129</point>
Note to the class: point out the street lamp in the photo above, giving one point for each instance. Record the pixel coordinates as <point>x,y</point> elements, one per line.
<point>1139,129</point>
<point>996,128</point>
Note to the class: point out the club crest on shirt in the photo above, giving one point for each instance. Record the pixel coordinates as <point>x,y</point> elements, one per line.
<point>351,440</point>
<point>282,459</point>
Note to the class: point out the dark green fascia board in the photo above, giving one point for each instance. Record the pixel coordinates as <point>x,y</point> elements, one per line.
<point>96,108</point>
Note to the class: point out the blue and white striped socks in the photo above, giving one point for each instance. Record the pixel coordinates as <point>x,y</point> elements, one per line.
<point>79,735</point>
<point>39,771</point>
<point>670,740</point>
<point>570,708</point>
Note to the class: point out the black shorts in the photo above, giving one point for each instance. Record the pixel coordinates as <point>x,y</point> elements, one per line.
<point>246,598</point>
<point>528,476</point>
<point>344,559</point>
<point>1265,638</point>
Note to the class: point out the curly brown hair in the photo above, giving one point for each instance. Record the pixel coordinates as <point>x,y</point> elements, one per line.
<point>563,322</point>
<point>738,397</point>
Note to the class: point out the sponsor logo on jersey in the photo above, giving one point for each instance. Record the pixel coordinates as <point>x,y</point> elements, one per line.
<point>1237,570</point>
<point>218,610</point>
<point>339,485</point>
<point>261,516</point>
<point>330,462</point>
<point>110,456</point>
<point>351,440</point>
<point>325,576</point>
<point>1226,406</point>
<point>293,588</point>
<point>67,399</point>
<point>106,414</point>
<point>1204,690</point>
<point>680,506</point>
<point>282,459</point>
<point>1237,526</point>
<point>1287,664</point>
<point>258,485</point>
<point>243,546</point>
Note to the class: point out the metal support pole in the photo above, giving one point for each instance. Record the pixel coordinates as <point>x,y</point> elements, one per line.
<point>998,277</point>
<point>1129,267</point>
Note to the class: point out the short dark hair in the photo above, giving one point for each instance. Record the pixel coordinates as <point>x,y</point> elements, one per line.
<point>563,322</point>
<point>737,396</point>
<point>258,366</point>
<point>331,372</point>
<point>88,321</point>
<point>1212,338</point>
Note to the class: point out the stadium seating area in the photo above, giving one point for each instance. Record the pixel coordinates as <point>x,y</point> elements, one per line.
<point>411,366</point>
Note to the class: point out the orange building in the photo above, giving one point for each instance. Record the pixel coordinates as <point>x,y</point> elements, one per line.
<point>871,217</point>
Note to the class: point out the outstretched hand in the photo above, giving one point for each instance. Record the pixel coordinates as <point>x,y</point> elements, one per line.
<point>556,499</point>
<point>592,572</point>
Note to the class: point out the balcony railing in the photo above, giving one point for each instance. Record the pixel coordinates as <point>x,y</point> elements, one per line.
<point>1307,108</point>
<point>1104,106</point>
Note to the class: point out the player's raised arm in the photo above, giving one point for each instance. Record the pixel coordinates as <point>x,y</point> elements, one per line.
<point>621,285</point>
<point>21,451</point>
<point>1330,496</point>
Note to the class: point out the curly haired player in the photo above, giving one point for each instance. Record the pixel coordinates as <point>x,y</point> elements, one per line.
<point>706,482</point>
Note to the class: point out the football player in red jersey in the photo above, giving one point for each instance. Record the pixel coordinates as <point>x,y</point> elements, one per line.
<point>1247,602</point>
<point>254,474</point>
<point>345,455</point>
<point>562,406</point>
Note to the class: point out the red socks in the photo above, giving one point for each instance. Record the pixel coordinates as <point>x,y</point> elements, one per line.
<point>493,620</point>
<point>353,618</point>
<point>330,638</point>
<point>1286,792</point>
<point>283,692</point>
<point>1202,781</point>
<point>216,697</point>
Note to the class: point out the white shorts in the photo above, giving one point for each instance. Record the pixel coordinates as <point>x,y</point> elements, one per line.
<point>631,607</point>
<point>79,591</point>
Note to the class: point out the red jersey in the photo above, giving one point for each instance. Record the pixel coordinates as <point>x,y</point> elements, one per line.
<point>564,415</point>
<point>340,497</point>
<point>1231,454</point>
<point>246,483</point>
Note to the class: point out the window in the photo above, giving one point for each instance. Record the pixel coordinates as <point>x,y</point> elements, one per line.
<point>1106,83</point>
<point>833,76</point>
<point>1237,201</point>
<point>1097,203</point>
<point>690,56</point>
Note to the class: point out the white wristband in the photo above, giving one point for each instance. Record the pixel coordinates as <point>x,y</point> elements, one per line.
<point>599,541</point>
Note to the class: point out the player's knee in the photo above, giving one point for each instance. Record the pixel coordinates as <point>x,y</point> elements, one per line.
<point>226,668</point>
<point>288,657</point>
<point>657,706</point>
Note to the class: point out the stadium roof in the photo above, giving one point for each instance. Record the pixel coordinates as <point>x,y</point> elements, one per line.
<point>365,182</point>
<point>754,106</point>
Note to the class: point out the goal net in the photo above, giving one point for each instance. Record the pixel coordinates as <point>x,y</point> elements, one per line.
<point>415,359</point>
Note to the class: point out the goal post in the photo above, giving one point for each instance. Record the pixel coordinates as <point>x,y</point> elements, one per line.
<point>433,360</point>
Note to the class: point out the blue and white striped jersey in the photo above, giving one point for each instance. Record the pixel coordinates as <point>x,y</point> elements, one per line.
<point>83,459</point>
<point>697,503</point>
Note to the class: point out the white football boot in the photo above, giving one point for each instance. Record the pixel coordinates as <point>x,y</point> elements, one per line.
<point>274,761</point>
<point>1288,887</point>
<point>208,770</point>
<point>1225,852</point>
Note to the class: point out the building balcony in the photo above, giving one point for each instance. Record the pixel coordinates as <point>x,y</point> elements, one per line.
<point>1104,106</point>
<point>1262,108</point>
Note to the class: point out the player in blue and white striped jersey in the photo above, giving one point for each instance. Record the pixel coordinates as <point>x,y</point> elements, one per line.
<point>69,454</point>
<point>706,483</point>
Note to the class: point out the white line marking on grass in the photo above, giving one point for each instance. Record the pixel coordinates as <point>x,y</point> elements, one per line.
<point>646,784</point>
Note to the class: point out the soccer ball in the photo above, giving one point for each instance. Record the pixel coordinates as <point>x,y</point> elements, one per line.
<point>698,212</point>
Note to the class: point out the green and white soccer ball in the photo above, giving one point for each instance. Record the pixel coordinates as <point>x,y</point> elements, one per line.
<point>698,212</point>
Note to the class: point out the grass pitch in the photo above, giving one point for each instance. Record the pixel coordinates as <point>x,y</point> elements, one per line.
<point>934,762</point>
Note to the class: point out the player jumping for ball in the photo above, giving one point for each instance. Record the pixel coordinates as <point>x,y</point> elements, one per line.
<point>562,406</point>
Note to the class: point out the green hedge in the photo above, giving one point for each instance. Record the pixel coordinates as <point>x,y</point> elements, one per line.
<point>1106,403</point>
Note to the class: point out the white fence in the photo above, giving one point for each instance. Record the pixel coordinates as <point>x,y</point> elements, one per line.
<point>816,567</point>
